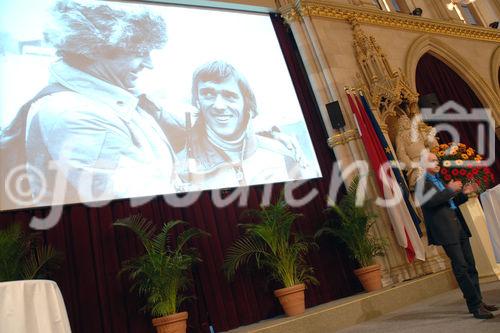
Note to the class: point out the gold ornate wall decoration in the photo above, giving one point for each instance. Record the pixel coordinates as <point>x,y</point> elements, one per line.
<point>390,94</point>
<point>290,13</point>
<point>386,89</point>
<point>343,138</point>
<point>384,128</point>
<point>338,11</point>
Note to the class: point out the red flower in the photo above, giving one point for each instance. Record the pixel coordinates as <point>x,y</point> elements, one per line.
<point>475,171</point>
<point>487,170</point>
<point>470,176</point>
<point>486,178</point>
<point>447,177</point>
<point>463,172</point>
<point>444,171</point>
<point>454,172</point>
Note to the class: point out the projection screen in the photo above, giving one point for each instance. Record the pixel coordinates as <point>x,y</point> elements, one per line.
<point>104,100</point>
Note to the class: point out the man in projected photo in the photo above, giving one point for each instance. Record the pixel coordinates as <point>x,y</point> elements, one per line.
<point>90,129</point>
<point>222,149</point>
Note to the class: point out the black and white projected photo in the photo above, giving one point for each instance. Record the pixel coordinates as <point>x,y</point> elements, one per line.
<point>104,100</point>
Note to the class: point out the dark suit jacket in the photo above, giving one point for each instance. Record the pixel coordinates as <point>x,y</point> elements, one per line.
<point>443,223</point>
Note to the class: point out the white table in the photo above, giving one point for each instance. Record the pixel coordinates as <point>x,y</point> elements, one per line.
<point>490,200</point>
<point>32,306</point>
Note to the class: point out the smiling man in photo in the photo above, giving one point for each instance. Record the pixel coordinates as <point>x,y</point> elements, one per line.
<point>222,149</point>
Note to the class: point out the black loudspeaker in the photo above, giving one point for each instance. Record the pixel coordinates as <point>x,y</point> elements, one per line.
<point>428,101</point>
<point>335,115</point>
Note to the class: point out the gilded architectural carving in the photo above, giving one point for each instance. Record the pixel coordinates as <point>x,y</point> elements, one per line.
<point>378,17</point>
<point>343,138</point>
<point>390,94</point>
<point>290,13</point>
<point>386,89</point>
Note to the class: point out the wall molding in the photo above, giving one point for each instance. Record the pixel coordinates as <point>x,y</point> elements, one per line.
<point>328,9</point>
<point>343,138</point>
<point>494,69</point>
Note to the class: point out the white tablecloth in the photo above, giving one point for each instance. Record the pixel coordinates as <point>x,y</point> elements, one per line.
<point>490,200</point>
<point>32,306</point>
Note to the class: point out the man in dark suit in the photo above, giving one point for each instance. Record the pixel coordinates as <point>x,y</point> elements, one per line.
<point>446,227</point>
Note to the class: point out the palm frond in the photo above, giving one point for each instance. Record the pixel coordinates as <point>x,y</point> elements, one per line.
<point>187,235</point>
<point>241,252</point>
<point>142,227</point>
<point>160,241</point>
<point>161,274</point>
<point>43,260</point>
<point>271,243</point>
<point>13,250</point>
<point>353,227</point>
<point>22,257</point>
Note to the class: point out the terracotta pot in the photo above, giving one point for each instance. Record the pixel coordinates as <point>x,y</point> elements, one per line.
<point>370,277</point>
<point>292,299</point>
<point>175,323</point>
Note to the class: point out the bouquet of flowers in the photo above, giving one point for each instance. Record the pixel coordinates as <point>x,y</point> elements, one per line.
<point>459,162</point>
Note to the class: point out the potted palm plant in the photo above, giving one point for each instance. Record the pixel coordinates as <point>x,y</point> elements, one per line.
<point>273,245</point>
<point>161,274</point>
<point>351,223</point>
<point>23,257</point>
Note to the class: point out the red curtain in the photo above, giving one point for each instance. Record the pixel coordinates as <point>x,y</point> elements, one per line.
<point>99,301</point>
<point>434,76</point>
